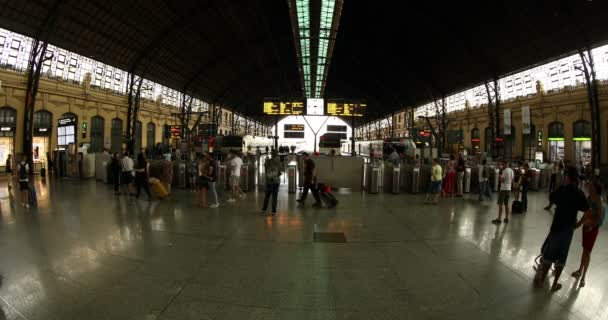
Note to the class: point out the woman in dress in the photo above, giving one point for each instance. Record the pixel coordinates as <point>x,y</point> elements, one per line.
<point>450,177</point>
<point>591,222</point>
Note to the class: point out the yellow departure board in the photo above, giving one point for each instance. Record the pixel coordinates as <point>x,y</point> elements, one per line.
<point>294,127</point>
<point>345,109</point>
<point>273,107</point>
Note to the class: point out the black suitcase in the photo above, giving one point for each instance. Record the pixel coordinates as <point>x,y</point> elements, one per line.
<point>517,207</point>
<point>326,196</point>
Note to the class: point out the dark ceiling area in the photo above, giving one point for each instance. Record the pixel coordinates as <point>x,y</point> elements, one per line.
<point>394,54</point>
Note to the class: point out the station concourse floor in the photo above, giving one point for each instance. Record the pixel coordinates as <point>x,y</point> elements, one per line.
<point>85,254</point>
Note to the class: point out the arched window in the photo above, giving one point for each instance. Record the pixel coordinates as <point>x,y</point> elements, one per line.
<point>166,135</point>
<point>137,138</point>
<point>97,133</point>
<point>151,136</point>
<point>66,129</point>
<point>116,138</point>
<point>529,144</point>
<point>556,141</point>
<point>475,141</point>
<point>43,119</point>
<point>581,129</point>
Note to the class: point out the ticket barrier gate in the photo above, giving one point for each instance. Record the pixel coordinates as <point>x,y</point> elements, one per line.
<point>181,174</point>
<point>292,174</point>
<point>374,179</point>
<point>467,180</point>
<point>221,177</point>
<point>415,180</point>
<point>496,179</point>
<point>396,180</point>
<point>387,177</point>
<point>251,173</point>
<point>244,179</point>
<point>535,179</point>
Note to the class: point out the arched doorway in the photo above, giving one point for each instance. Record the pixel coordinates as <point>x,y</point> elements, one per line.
<point>116,136</point>
<point>8,127</point>
<point>556,141</point>
<point>581,134</point>
<point>475,141</point>
<point>97,134</point>
<point>41,142</point>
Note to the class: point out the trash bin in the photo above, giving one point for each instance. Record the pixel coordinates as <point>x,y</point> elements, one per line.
<point>396,180</point>
<point>467,180</point>
<point>292,173</point>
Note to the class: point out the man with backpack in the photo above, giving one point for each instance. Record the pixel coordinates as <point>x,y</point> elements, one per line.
<point>483,176</point>
<point>23,170</point>
<point>273,170</point>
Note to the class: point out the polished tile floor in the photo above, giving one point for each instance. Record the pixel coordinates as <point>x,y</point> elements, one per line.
<point>84,254</point>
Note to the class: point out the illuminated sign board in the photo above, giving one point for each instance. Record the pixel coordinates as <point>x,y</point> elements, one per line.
<point>346,108</point>
<point>294,127</point>
<point>315,107</point>
<point>275,107</point>
<point>176,131</point>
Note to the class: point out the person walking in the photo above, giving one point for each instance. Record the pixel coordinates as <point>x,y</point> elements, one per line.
<point>273,170</point>
<point>450,177</point>
<point>460,167</point>
<point>235,163</point>
<point>9,170</point>
<point>126,177</point>
<point>506,180</point>
<point>114,173</point>
<point>142,172</point>
<point>23,169</point>
<point>211,181</point>
<point>310,180</point>
<point>569,200</point>
<point>559,181</point>
<point>166,172</point>
<point>591,222</point>
<point>435,185</point>
<point>483,174</point>
<point>202,183</point>
<point>526,178</point>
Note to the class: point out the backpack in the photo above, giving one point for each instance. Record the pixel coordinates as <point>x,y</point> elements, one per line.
<point>22,171</point>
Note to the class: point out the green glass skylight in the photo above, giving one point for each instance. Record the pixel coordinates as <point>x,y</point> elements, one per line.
<point>327,15</point>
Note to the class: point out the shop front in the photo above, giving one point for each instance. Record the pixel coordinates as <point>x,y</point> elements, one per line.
<point>581,136</point>
<point>8,128</point>
<point>556,141</point>
<point>65,152</point>
<point>41,143</point>
<point>475,142</point>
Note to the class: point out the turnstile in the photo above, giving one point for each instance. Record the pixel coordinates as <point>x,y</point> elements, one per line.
<point>534,182</point>
<point>467,180</point>
<point>251,173</point>
<point>292,173</point>
<point>396,180</point>
<point>496,179</point>
<point>221,177</point>
<point>181,175</point>
<point>415,180</point>
<point>245,177</point>
<point>374,179</point>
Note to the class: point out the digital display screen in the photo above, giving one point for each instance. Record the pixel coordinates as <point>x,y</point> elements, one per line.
<point>334,128</point>
<point>274,107</point>
<point>315,107</point>
<point>294,127</point>
<point>345,108</point>
<point>293,134</point>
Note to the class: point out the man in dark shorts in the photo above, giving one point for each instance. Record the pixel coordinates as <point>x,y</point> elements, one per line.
<point>569,200</point>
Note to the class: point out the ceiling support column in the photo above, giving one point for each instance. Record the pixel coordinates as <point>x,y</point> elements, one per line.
<point>594,104</point>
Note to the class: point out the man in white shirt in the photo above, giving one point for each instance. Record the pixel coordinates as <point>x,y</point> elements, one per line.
<point>235,163</point>
<point>506,179</point>
<point>126,177</point>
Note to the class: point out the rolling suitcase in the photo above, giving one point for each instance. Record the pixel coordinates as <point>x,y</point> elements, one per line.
<point>517,207</point>
<point>158,189</point>
<point>326,196</point>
